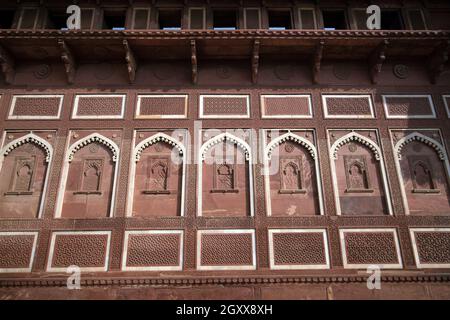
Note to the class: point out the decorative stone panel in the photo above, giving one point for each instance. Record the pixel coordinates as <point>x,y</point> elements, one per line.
<point>36,107</point>
<point>431,247</point>
<point>161,106</point>
<point>153,250</point>
<point>286,106</point>
<point>364,247</point>
<point>231,249</point>
<point>348,106</point>
<point>91,106</point>
<point>298,249</point>
<point>88,250</point>
<point>224,106</point>
<point>446,99</point>
<point>409,107</point>
<point>17,251</point>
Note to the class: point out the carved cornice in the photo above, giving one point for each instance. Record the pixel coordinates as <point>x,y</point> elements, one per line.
<point>219,280</point>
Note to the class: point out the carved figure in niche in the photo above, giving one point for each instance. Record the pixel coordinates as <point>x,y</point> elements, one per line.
<point>356,174</point>
<point>157,176</point>
<point>422,175</point>
<point>91,180</point>
<point>291,175</point>
<point>23,174</point>
<point>224,178</point>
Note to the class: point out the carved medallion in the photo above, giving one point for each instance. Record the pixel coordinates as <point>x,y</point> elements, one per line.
<point>163,71</point>
<point>342,71</point>
<point>289,147</point>
<point>42,71</point>
<point>284,72</point>
<point>93,148</point>
<point>352,147</point>
<point>401,71</point>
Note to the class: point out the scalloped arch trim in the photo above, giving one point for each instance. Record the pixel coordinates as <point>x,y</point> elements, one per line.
<point>417,136</point>
<point>289,136</point>
<point>225,137</point>
<point>95,137</point>
<point>29,138</point>
<point>354,136</point>
<point>159,137</point>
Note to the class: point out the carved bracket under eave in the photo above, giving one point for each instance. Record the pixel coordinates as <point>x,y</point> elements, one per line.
<point>437,60</point>
<point>255,61</point>
<point>194,62</point>
<point>376,60</point>
<point>69,61</point>
<point>131,61</point>
<point>317,60</point>
<point>7,64</point>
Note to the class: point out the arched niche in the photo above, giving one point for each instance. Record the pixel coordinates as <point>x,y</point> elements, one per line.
<point>292,177</point>
<point>225,182</point>
<point>359,177</point>
<point>423,171</point>
<point>157,177</point>
<point>24,165</point>
<point>88,179</point>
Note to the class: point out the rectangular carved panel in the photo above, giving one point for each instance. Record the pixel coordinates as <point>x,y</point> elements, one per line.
<point>224,106</point>
<point>36,107</point>
<point>347,106</point>
<point>356,174</point>
<point>226,249</point>
<point>88,250</point>
<point>286,106</point>
<point>99,107</point>
<point>298,249</point>
<point>17,251</point>
<point>431,247</point>
<point>153,250</point>
<point>408,106</point>
<point>161,106</point>
<point>364,247</point>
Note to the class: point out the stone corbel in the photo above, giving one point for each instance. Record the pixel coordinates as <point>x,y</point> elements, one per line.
<point>437,61</point>
<point>376,60</point>
<point>7,64</point>
<point>255,61</point>
<point>194,62</point>
<point>317,61</point>
<point>131,61</point>
<point>69,61</point>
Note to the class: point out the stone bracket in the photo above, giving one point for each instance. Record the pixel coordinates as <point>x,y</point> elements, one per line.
<point>69,61</point>
<point>317,61</point>
<point>437,61</point>
<point>376,60</point>
<point>255,61</point>
<point>194,68</point>
<point>7,65</point>
<point>130,59</point>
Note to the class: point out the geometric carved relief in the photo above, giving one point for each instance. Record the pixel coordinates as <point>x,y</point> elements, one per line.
<point>230,249</point>
<point>225,177</point>
<point>286,106</point>
<point>364,247</point>
<point>348,106</point>
<point>153,250</point>
<point>99,107</point>
<point>88,250</point>
<point>431,247</point>
<point>89,174</point>
<point>24,162</point>
<point>408,107</point>
<point>359,176</point>
<point>17,251</point>
<point>157,183</point>
<point>224,106</point>
<point>292,187</point>
<point>292,249</point>
<point>422,166</point>
<point>161,106</point>
<point>36,107</point>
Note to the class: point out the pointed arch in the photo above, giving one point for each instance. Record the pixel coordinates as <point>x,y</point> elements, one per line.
<point>226,136</point>
<point>160,136</point>
<point>28,138</point>
<point>417,136</point>
<point>94,137</point>
<point>289,136</point>
<point>354,136</point>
